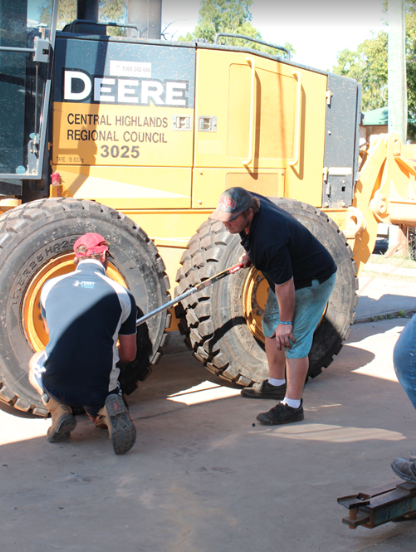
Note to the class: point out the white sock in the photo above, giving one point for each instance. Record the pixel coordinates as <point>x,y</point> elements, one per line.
<point>293,403</point>
<point>276,382</point>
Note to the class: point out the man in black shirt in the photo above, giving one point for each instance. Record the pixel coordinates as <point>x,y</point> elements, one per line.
<point>301,274</point>
<point>85,314</point>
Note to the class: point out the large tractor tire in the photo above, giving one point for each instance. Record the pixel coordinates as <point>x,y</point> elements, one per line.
<point>36,241</point>
<point>222,323</point>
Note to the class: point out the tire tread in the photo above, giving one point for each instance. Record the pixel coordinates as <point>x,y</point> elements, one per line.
<point>200,261</point>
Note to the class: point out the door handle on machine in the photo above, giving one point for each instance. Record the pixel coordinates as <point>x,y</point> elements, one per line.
<point>251,62</point>
<point>298,119</point>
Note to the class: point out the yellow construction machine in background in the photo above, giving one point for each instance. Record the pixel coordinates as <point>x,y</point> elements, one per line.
<point>142,137</point>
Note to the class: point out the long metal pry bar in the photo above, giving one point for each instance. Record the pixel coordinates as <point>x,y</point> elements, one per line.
<point>189,292</point>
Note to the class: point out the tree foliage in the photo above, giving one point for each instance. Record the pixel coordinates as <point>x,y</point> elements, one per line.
<point>67,12</point>
<point>109,10</point>
<point>411,66</point>
<point>369,66</point>
<point>228,16</point>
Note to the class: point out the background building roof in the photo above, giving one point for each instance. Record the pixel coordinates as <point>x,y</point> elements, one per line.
<point>377,117</point>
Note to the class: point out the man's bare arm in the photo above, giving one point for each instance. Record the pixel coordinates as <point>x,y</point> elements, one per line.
<point>127,348</point>
<point>286,298</point>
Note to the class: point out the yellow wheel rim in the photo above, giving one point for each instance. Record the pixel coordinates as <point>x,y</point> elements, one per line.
<point>255,293</point>
<point>32,318</point>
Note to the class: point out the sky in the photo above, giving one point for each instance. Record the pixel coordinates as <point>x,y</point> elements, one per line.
<point>318,30</point>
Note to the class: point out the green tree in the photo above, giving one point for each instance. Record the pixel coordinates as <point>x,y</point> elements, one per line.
<point>67,12</point>
<point>369,66</point>
<point>411,66</point>
<point>228,16</point>
<point>109,10</point>
<point>114,11</point>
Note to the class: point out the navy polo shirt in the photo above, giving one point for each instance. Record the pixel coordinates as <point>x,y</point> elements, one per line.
<point>85,312</point>
<point>282,248</point>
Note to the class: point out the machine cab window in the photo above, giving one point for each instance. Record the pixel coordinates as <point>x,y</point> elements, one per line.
<point>26,31</point>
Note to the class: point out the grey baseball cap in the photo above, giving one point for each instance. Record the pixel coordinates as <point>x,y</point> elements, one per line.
<point>232,202</point>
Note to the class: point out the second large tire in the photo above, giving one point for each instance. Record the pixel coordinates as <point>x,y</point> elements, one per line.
<point>215,319</point>
<point>36,242</point>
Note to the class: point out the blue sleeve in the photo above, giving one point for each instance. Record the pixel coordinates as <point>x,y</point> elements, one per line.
<point>129,325</point>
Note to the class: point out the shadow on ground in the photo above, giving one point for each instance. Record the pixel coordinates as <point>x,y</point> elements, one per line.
<point>208,476</point>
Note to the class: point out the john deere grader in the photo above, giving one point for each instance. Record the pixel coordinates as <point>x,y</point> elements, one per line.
<point>136,138</point>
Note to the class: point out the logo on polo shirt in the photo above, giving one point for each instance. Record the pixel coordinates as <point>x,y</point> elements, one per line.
<point>84,284</point>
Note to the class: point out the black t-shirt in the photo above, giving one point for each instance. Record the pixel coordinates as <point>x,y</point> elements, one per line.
<point>86,312</point>
<point>282,248</point>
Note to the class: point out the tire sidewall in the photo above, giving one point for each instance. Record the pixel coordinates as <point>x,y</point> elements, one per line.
<point>339,315</point>
<point>54,234</point>
<point>237,342</point>
<point>232,351</point>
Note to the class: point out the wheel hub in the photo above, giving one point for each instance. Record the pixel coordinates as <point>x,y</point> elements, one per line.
<point>255,293</point>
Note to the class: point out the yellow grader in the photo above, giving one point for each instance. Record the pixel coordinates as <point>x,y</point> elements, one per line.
<point>136,139</point>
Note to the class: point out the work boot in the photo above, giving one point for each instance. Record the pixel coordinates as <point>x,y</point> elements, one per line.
<point>265,390</point>
<point>100,422</point>
<point>121,429</point>
<point>281,414</point>
<point>405,469</point>
<point>63,422</point>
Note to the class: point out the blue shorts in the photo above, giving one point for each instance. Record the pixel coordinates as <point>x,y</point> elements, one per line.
<point>91,402</point>
<point>309,307</point>
<point>404,358</point>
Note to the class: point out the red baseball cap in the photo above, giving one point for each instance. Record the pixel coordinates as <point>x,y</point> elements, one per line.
<point>232,202</point>
<point>95,244</point>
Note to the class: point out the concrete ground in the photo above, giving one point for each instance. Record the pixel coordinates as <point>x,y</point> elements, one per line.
<point>204,476</point>
<point>383,297</point>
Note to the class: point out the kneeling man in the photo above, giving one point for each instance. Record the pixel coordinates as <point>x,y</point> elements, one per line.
<point>85,314</point>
